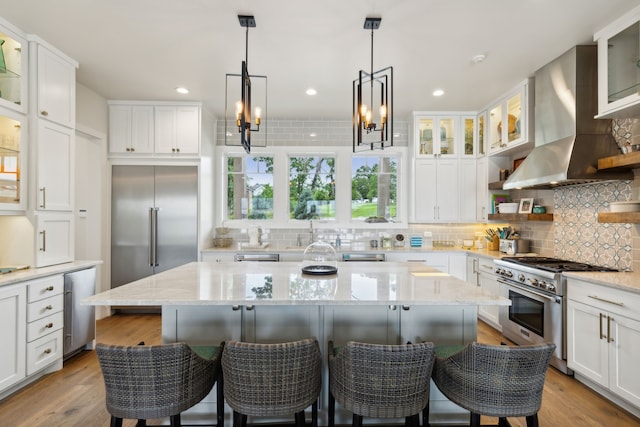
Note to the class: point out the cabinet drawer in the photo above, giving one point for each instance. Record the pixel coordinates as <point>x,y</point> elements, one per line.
<point>44,351</point>
<point>44,326</point>
<point>45,307</point>
<point>45,288</point>
<point>605,298</point>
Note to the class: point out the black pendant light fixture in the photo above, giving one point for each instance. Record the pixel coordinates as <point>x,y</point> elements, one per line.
<point>244,122</point>
<point>373,103</point>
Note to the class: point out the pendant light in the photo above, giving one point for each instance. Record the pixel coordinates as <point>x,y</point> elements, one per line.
<point>244,121</point>
<point>373,103</point>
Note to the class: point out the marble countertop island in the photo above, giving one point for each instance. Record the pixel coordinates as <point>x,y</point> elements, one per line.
<point>283,283</point>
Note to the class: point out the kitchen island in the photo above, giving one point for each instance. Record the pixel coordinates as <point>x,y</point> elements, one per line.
<point>388,303</point>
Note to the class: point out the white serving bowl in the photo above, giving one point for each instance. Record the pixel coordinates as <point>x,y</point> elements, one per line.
<point>507,208</point>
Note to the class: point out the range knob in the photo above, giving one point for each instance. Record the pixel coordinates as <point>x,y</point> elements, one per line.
<point>551,287</point>
<point>542,284</point>
<point>534,282</point>
<point>498,270</point>
<point>508,273</point>
<point>521,277</point>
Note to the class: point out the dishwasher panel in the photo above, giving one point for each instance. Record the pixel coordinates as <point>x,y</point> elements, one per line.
<point>79,320</point>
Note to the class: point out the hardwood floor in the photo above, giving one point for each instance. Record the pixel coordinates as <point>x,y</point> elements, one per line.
<point>75,395</point>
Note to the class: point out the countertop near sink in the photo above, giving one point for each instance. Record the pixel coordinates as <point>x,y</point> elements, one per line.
<point>35,273</point>
<point>346,249</point>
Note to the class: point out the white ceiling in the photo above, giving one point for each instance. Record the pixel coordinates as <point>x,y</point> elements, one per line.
<point>144,49</point>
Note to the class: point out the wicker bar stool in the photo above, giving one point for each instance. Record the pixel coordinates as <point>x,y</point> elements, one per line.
<point>272,380</point>
<point>156,381</point>
<point>494,380</point>
<point>382,381</point>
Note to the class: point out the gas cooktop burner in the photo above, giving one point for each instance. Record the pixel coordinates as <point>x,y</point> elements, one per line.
<point>555,265</point>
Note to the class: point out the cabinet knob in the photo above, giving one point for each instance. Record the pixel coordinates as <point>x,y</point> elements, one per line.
<point>49,288</point>
<point>47,351</point>
<point>44,113</point>
<point>49,307</point>
<point>133,149</point>
<point>128,149</point>
<point>49,325</point>
<point>177,150</point>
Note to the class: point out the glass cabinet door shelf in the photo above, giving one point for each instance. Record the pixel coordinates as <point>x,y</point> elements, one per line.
<point>619,67</point>
<point>481,133</point>
<point>12,162</point>
<point>510,120</point>
<point>436,136</point>
<point>13,49</point>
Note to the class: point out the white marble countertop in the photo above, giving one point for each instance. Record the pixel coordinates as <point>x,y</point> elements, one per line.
<point>35,273</point>
<point>282,283</point>
<point>626,281</point>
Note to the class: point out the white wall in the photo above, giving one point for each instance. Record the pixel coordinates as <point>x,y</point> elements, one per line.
<point>91,109</point>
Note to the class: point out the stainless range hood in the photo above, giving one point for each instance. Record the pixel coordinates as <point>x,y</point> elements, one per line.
<point>569,141</point>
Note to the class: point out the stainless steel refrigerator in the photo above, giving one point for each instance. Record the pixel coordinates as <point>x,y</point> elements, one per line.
<point>154,220</point>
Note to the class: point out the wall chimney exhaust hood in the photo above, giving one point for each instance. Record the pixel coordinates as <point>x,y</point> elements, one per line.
<point>569,141</point>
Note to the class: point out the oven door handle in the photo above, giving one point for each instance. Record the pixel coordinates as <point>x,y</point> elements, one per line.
<point>522,288</point>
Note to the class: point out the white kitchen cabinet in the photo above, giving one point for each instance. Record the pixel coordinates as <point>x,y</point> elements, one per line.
<point>205,325</point>
<point>54,238</point>
<point>54,166</point>
<point>516,108</point>
<point>482,190</point>
<point>437,260</point>
<point>269,324</point>
<point>177,129</point>
<point>490,314</point>
<point>467,194</point>
<point>13,161</point>
<point>131,129</point>
<point>436,134</point>
<point>618,77</point>
<point>603,337</point>
<point>481,133</point>
<point>436,197</point>
<point>468,136</point>
<point>45,319</point>
<point>12,335</point>
<point>217,256</point>
<point>13,78</point>
<point>54,76</point>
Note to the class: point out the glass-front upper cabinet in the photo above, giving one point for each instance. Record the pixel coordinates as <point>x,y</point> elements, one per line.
<point>619,67</point>
<point>12,162</point>
<point>435,135</point>
<point>480,134</point>
<point>13,68</point>
<point>511,120</point>
<point>468,136</point>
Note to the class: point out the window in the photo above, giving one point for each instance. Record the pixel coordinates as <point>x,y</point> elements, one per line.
<point>374,188</point>
<point>312,192</point>
<point>249,187</point>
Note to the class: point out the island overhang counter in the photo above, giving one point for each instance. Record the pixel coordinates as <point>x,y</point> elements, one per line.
<point>386,303</point>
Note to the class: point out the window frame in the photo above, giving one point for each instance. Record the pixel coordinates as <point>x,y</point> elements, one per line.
<point>281,154</point>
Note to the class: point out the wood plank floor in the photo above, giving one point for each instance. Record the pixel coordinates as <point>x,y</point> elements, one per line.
<point>74,396</point>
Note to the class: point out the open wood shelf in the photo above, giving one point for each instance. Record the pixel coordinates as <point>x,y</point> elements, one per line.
<point>497,185</point>
<point>521,217</point>
<point>619,217</point>
<point>620,162</point>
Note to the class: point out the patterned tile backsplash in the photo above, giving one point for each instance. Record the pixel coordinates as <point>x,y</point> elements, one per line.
<point>578,236</point>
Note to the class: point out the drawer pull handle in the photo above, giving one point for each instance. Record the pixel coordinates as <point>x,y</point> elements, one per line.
<point>595,297</point>
<point>49,325</point>
<point>44,113</point>
<point>47,351</point>
<point>49,288</point>
<point>601,334</point>
<point>49,307</point>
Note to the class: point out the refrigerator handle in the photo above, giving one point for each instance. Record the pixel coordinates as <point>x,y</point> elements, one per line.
<point>153,236</point>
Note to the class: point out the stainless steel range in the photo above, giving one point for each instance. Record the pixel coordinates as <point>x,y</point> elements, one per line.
<point>537,288</point>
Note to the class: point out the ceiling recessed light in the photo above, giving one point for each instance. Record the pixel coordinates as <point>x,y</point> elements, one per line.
<point>182,90</point>
<point>438,92</point>
<point>311,91</point>
<point>313,134</point>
